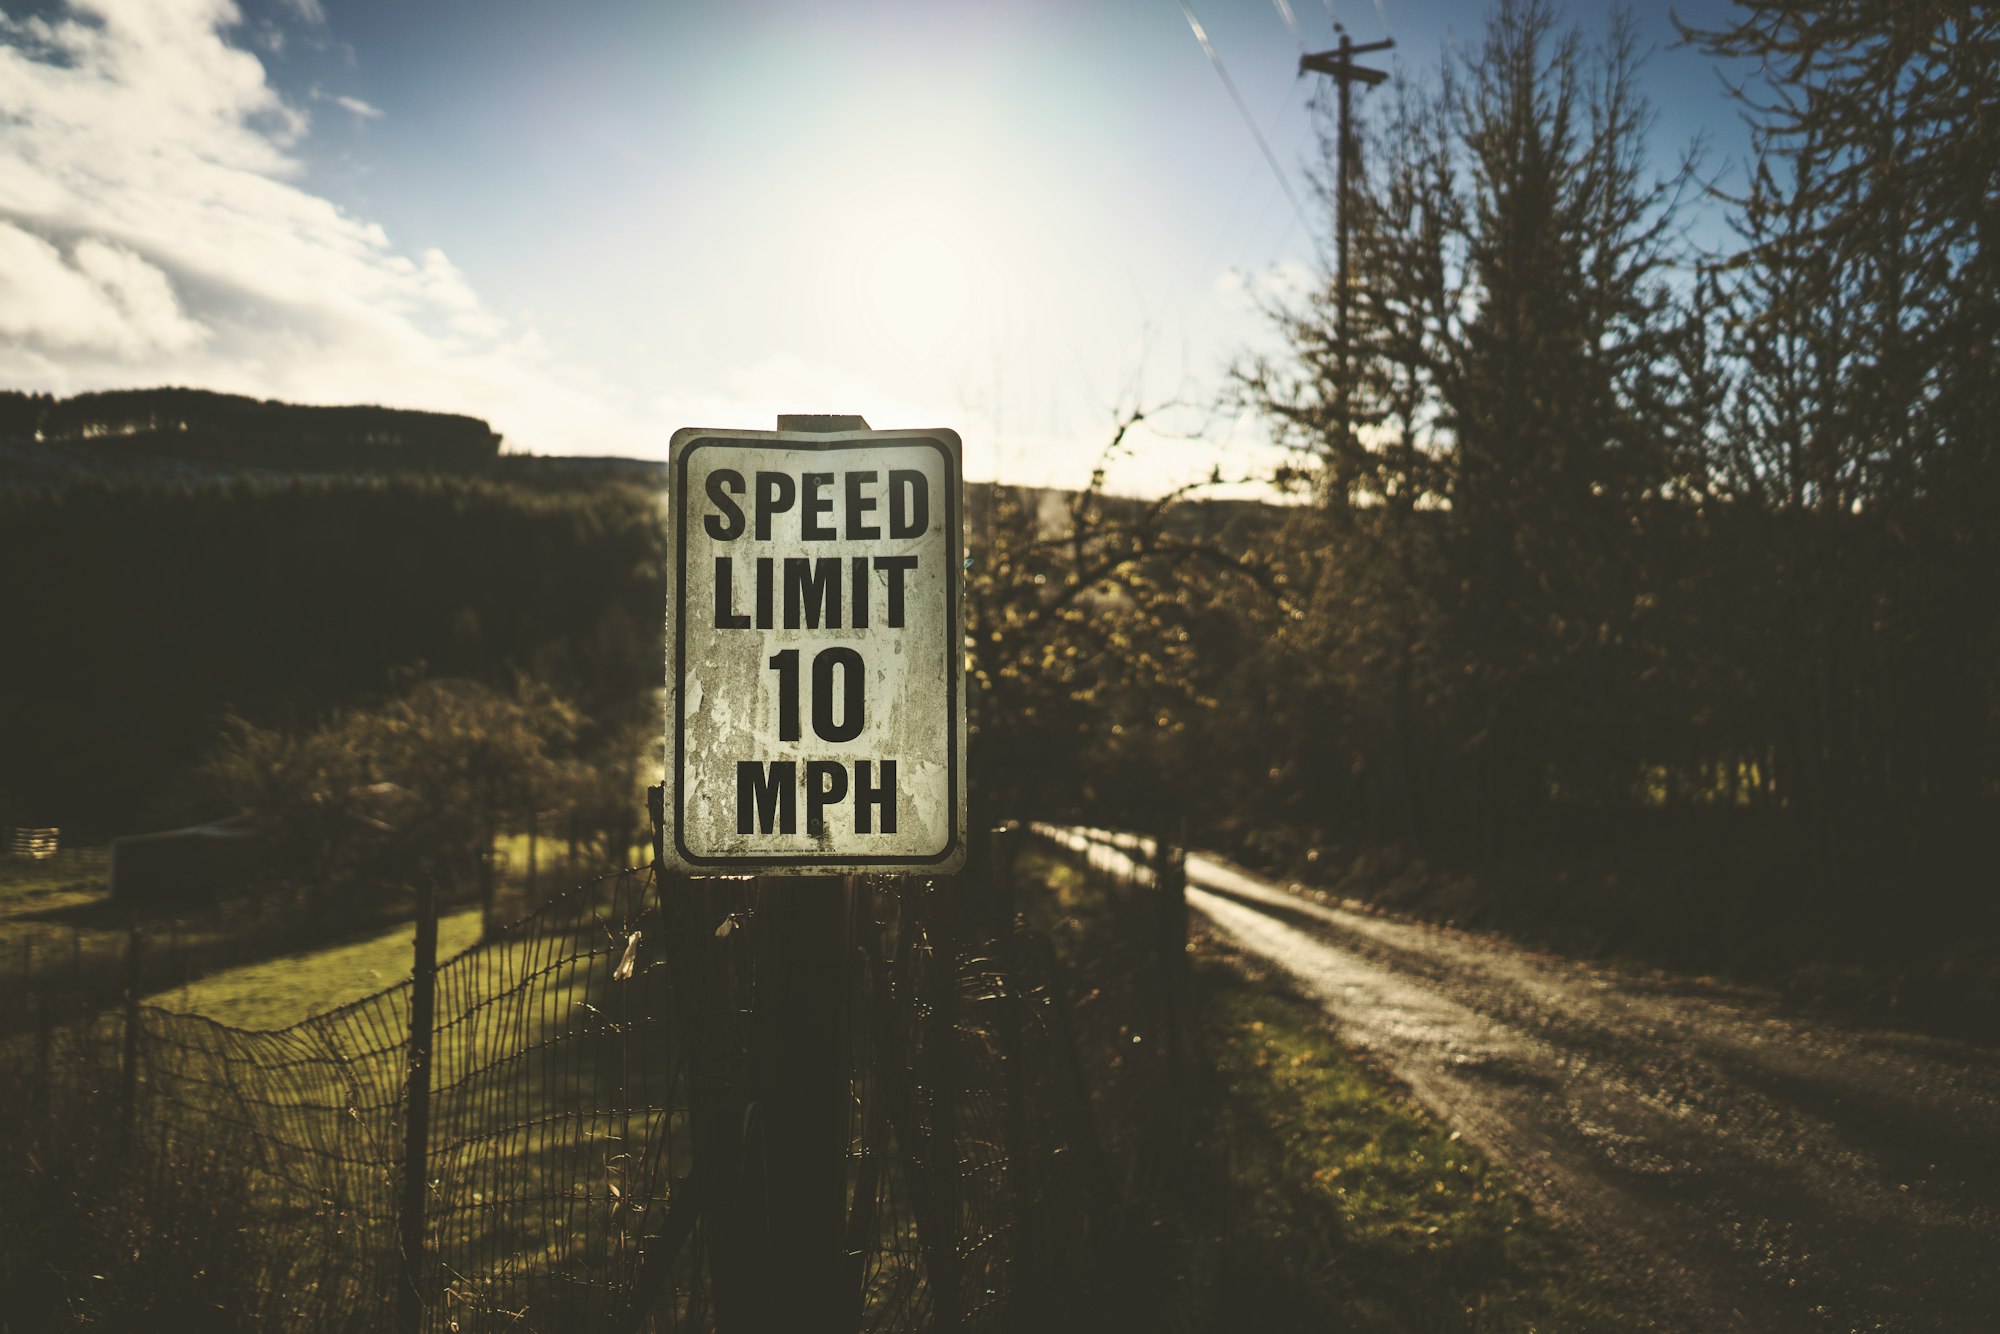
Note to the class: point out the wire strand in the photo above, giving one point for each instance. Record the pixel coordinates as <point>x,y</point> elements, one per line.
<point>1243,109</point>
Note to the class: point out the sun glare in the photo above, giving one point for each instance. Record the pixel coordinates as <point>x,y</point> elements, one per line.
<point>918,291</point>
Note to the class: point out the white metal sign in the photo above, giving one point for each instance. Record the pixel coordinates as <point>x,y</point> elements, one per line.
<point>815,656</point>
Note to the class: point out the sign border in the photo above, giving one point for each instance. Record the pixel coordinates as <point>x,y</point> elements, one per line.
<point>951,857</point>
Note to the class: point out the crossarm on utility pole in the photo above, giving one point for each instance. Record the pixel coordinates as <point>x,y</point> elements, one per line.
<point>1339,65</point>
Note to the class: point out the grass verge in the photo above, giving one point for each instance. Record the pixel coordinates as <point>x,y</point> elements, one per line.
<point>1339,1204</point>
<point>1285,1184</point>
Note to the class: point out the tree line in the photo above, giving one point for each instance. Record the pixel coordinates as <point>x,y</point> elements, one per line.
<point>145,613</point>
<point>1603,518</point>
<point>202,426</point>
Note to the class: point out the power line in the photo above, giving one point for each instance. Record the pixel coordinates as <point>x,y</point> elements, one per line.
<point>1243,109</point>
<point>1291,20</point>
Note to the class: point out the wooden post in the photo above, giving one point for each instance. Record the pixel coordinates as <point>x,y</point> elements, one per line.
<point>417,1109</point>
<point>1003,846</point>
<point>691,912</point>
<point>801,1090</point>
<point>940,1050</point>
<point>43,1027</point>
<point>656,807</point>
<point>129,1088</point>
<point>534,834</point>
<point>1170,878</point>
<point>487,872</point>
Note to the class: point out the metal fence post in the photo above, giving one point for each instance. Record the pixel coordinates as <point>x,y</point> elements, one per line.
<point>417,1107</point>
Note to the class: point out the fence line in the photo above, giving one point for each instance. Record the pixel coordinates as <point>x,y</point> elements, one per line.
<point>587,1134</point>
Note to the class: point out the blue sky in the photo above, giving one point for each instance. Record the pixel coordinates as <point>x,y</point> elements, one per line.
<point>592,223</point>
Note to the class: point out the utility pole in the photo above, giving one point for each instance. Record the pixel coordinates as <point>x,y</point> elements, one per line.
<point>1339,65</point>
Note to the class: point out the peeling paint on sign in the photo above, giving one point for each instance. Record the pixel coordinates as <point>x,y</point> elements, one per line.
<point>816,691</point>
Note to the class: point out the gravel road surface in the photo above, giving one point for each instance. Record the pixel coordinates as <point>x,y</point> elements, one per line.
<point>1741,1167</point>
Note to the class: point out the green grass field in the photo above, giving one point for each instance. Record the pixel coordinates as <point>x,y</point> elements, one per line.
<point>72,878</point>
<point>61,934</point>
<point>58,931</point>
<point>277,993</point>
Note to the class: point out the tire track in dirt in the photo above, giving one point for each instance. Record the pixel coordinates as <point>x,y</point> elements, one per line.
<point>1740,1167</point>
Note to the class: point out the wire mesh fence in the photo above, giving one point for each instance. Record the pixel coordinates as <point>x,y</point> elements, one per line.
<point>558,1129</point>
<point>82,957</point>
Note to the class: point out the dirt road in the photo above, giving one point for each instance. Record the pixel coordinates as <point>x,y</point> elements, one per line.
<point>1745,1169</point>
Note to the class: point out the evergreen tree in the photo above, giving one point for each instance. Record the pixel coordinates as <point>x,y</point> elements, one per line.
<point>1522,410</point>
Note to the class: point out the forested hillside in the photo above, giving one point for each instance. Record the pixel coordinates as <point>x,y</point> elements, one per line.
<point>142,610</point>
<point>198,426</point>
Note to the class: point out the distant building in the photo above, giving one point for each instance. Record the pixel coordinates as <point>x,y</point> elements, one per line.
<point>39,844</point>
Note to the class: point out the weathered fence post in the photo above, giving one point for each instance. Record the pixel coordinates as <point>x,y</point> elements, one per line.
<point>487,885</point>
<point>129,1086</point>
<point>417,1113</point>
<point>781,1261</point>
<point>534,842</point>
<point>689,918</point>
<point>177,957</point>
<point>940,1048</point>
<point>43,1027</point>
<point>1170,879</point>
<point>1003,847</point>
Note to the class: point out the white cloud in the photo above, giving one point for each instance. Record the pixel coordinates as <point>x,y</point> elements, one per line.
<point>152,230</point>
<point>156,227</point>
<point>101,298</point>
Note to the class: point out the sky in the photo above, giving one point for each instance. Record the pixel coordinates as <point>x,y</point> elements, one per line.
<point>594,222</point>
